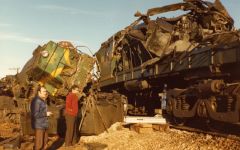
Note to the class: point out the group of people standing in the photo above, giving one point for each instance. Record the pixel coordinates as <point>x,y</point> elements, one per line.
<point>40,114</point>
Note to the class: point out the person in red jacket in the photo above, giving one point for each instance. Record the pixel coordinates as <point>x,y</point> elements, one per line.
<point>71,111</point>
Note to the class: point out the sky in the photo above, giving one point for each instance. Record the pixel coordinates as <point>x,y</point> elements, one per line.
<point>25,24</point>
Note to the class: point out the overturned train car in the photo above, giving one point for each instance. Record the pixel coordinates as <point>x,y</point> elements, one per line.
<point>192,59</point>
<point>58,66</point>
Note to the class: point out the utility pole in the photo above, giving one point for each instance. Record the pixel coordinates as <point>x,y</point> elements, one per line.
<point>15,69</point>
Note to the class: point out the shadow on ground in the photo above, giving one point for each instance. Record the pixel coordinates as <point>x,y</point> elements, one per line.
<point>95,146</point>
<point>56,144</point>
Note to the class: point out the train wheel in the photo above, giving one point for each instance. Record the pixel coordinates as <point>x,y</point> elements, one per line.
<point>179,121</point>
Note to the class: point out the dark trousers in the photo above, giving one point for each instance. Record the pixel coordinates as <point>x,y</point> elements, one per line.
<point>71,129</point>
<point>41,138</point>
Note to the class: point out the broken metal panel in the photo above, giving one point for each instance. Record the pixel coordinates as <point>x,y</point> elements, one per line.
<point>196,47</point>
<point>164,25</point>
<point>224,57</point>
<point>200,57</point>
<point>57,66</point>
<point>62,68</point>
<point>101,111</point>
<point>168,8</point>
<point>219,6</point>
<point>199,44</point>
<point>204,23</point>
<point>83,75</point>
<point>105,59</point>
<point>158,42</point>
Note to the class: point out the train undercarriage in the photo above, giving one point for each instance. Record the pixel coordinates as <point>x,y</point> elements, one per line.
<point>212,100</point>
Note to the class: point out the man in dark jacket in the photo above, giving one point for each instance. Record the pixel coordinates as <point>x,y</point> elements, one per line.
<point>71,111</point>
<point>39,116</point>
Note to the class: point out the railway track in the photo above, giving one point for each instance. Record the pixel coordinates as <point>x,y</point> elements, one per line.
<point>213,133</point>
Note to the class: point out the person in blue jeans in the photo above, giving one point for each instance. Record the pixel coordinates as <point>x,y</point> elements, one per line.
<point>39,118</point>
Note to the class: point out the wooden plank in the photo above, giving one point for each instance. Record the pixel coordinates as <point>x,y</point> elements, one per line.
<point>160,127</point>
<point>141,128</point>
<point>146,128</point>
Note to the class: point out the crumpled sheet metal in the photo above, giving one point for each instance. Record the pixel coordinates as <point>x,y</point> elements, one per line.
<point>182,33</point>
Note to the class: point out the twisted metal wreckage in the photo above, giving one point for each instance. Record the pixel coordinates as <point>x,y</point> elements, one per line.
<point>192,58</point>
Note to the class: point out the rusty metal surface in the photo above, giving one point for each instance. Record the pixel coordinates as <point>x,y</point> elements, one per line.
<point>57,66</point>
<point>203,25</point>
<point>102,110</point>
<point>62,67</point>
<point>196,54</point>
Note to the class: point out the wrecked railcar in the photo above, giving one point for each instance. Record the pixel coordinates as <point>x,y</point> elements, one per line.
<point>58,66</point>
<point>194,57</point>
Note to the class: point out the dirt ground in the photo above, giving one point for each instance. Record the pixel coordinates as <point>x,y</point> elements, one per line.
<point>119,137</point>
<point>8,129</point>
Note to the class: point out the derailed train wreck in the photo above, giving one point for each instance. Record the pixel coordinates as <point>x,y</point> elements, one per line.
<point>57,67</point>
<point>194,57</point>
